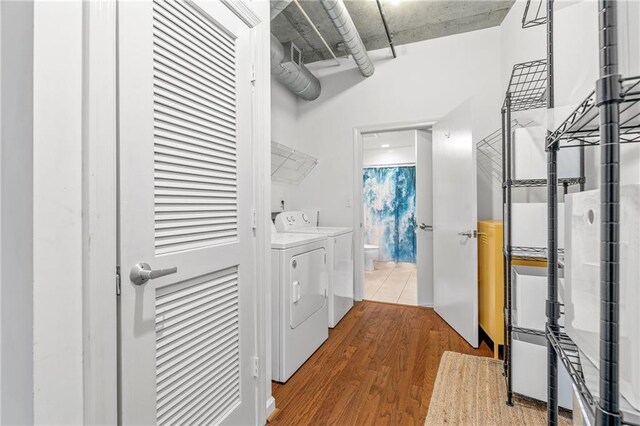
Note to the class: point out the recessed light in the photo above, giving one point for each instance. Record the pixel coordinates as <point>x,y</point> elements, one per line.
<point>386,145</point>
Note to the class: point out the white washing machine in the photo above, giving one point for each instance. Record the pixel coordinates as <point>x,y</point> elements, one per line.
<point>340,254</point>
<point>299,300</point>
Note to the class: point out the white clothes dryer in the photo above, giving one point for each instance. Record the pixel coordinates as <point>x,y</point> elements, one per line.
<point>299,300</point>
<point>340,259</point>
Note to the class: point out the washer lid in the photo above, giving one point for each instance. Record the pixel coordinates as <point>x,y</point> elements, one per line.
<point>285,240</point>
<point>329,231</point>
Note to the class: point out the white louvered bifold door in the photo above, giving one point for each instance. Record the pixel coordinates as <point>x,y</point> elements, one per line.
<point>187,337</point>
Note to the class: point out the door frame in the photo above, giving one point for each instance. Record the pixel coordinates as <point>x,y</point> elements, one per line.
<point>358,219</point>
<point>100,189</point>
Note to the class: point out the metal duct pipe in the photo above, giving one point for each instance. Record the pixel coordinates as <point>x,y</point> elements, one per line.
<point>297,79</point>
<point>278,6</point>
<point>341,19</point>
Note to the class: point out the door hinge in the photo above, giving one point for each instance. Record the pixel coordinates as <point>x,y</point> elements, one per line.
<point>253,73</point>
<point>256,366</point>
<point>254,219</point>
<point>118,282</point>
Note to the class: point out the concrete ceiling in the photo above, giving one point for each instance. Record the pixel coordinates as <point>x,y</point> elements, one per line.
<point>409,21</point>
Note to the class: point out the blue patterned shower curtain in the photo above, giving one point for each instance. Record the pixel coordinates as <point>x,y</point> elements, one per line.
<point>389,211</point>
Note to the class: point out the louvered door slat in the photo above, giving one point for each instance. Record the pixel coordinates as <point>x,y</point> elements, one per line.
<point>194,128</point>
<point>167,86</point>
<point>192,56</point>
<point>197,349</point>
<point>202,27</point>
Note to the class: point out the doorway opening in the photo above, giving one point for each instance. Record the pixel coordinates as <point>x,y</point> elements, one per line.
<point>395,201</point>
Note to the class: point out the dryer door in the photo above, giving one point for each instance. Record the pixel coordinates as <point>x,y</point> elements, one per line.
<point>308,272</point>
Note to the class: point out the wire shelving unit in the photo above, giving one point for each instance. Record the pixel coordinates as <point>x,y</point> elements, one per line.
<point>527,90</point>
<point>608,117</point>
<point>535,13</point>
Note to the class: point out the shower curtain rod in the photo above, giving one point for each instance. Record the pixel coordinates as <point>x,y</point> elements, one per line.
<point>388,165</point>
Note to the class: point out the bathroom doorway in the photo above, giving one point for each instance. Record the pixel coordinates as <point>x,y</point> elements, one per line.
<point>396,217</point>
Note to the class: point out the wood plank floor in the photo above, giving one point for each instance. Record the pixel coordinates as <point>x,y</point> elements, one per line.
<point>378,367</point>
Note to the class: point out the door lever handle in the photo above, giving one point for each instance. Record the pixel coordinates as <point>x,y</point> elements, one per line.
<point>469,234</point>
<point>142,272</point>
<point>425,226</point>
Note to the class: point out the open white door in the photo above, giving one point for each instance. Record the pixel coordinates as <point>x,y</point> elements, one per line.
<point>454,223</point>
<point>424,217</point>
<point>187,334</point>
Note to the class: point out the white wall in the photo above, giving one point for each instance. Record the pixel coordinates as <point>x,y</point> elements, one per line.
<point>16,213</point>
<point>284,130</point>
<point>58,246</point>
<point>389,156</point>
<point>425,82</point>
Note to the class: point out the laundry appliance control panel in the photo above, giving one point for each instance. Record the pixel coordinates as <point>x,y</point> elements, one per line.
<point>287,221</point>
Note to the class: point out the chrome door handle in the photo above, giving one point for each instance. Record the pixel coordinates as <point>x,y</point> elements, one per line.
<point>469,234</point>
<point>425,226</point>
<point>142,272</point>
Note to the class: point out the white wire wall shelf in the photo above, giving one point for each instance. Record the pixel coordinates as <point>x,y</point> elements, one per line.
<point>535,13</point>
<point>288,165</point>
<point>582,127</point>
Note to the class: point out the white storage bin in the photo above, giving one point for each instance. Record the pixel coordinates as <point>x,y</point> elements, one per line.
<point>530,158</point>
<point>530,295</point>
<point>529,370</point>
<point>582,274</point>
<point>529,225</point>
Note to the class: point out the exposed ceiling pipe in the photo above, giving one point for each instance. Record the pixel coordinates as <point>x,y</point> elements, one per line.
<point>386,29</point>
<point>296,78</point>
<point>341,19</point>
<point>278,6</point>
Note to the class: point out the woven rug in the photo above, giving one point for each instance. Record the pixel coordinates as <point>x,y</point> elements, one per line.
<point>470,390</point>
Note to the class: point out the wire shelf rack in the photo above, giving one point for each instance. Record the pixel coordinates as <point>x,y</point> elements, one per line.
<point>533,183</point>
<point>528,331</point>
<point>489,150</point>
<point>570,356</point>
<point>288,165</point>
<point>582,127</point>
<point>530,253</point>
<point>528,85</point>
<point>535,13</point>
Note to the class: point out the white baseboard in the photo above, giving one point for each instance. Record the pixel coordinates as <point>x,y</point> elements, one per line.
<point>271,406</point>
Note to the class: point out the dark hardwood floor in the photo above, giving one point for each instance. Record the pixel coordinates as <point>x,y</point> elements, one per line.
<point>378,367</point>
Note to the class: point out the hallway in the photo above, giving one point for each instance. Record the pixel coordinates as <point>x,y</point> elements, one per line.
<point>378,366</point>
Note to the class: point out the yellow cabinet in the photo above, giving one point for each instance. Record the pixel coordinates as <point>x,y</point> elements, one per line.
<point>490,281</point>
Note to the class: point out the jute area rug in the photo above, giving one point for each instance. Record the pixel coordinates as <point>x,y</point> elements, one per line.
<point>470,390</point>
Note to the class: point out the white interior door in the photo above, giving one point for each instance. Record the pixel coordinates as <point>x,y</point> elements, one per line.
<point>187,335</point>
<point>454,223</point>
<point>424,218</point>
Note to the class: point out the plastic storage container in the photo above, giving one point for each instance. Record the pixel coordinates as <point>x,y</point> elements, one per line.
<point>530,158</point>
<point>529,225</point>
<point>582,275</point>
<point>529,374</point>
<point>530,295</point>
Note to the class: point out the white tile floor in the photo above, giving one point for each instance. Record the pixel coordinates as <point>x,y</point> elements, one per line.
<point>392,283</point>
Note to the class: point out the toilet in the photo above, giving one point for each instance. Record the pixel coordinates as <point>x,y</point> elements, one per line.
<point>370,254</point>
